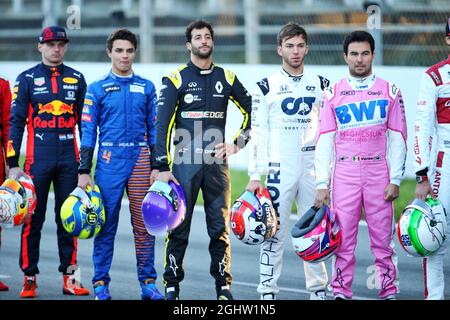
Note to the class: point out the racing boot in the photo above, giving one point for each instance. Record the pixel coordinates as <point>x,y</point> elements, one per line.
<point>149,291</point>
<point>172,293</point>
<point>29,287</point>
<point>73,287</point>
<point>268,296</point>
<point>318,295</point>
<point>3,287</point>
<point>101,291</point>
<point>224,293</point>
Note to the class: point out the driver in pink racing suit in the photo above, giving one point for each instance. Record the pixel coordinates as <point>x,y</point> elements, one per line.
<point>363,120</point>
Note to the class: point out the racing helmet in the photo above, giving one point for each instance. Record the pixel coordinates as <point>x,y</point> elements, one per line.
<point>164,207</point>
<point>13,203</point>
<point>422,227</point>
<point>317,234</point>
<point>253,217</point>
<point>82,213</point>
<point>27,183</point>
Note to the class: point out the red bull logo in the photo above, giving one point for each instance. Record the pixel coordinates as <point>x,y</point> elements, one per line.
<point>55,107</point>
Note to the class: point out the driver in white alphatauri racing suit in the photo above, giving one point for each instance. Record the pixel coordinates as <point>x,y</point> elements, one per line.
<point>284,124</point>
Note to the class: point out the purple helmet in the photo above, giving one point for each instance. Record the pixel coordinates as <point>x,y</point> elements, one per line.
<point>164,207</point>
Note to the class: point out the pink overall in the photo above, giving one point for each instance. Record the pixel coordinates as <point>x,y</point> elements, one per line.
<point>367,122</point>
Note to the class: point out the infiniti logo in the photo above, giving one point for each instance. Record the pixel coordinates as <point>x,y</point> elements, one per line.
<point>192,84</point>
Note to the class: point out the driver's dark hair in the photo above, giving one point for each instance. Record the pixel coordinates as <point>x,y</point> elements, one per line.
<point>359,36</point>
<point>290,30</point>
<point>198,24</point>
<point>121,34</point>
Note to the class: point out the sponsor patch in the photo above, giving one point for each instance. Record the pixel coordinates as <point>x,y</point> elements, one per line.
<point>219,87</point>
<point>10,152</point>
<point>135,88</point>
<point>202,114</point>
<point>189,98</point>
<point>112,88</point>
<point>86,117</point>
<point>70,80</point>
<point>361,114</point>
<point>39,81</point>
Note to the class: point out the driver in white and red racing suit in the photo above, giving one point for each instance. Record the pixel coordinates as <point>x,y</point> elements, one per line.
<point>433,117</point>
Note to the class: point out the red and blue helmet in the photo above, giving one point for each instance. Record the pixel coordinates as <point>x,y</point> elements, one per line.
<point>253,218</point>
<point>317,235</point>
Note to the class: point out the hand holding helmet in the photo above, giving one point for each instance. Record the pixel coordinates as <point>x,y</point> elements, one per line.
<point>13,203</point>
<point>317,234</point>
<point>422,227</point>
<point>164,207</point>
<point>253,218</point>
<point>82,213</point>
<point>31,198</point>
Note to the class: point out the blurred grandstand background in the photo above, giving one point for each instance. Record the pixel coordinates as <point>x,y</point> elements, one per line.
<point>411,30</point>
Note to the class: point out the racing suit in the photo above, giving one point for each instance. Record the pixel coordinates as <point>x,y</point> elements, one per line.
<point>5,108</point>
<point>284,127</point>
<point>123,109</point>
<point>433,117</point>
<point>364,119</point>
<point>195,101</point>
<point>49,101</point>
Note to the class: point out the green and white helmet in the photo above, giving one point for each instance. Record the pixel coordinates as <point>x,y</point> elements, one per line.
<point>422,227</point>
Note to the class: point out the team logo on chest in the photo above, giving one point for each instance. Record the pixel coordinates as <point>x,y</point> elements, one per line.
<point>360,114</point>
<point>301,106</point>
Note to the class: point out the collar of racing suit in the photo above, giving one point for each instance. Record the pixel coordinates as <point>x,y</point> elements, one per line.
<point>53,70</point>
<point>361,83</point>
<point>199,70</point>
<point>121,78</point>
<point>296,78</point>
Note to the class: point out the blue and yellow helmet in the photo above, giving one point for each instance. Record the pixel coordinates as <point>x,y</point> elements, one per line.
<point>82,213</point>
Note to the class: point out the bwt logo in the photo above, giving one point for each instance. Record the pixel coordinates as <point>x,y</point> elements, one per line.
<point>302,105</point>
<point>362,111</point>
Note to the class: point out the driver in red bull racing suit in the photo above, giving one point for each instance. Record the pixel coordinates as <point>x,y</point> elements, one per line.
<point>48,98</point>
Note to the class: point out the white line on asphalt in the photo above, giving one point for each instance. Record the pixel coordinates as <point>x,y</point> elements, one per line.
<point>252,285</point>
<point>4,276</point>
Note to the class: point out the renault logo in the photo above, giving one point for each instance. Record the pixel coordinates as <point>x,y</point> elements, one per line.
<point>219,87</point>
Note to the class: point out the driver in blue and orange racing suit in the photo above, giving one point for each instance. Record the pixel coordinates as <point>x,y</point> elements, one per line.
<point>122,106</point>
